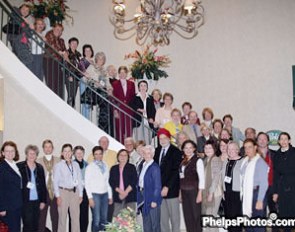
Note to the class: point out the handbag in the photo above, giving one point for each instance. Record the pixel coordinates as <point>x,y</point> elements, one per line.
<point>11,28</point>
<point>3,227</point>
<point>89,97</point>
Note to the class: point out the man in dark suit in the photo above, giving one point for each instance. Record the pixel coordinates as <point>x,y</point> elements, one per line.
<point>169,158</point>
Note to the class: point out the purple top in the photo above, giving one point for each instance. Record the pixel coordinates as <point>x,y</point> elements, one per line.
<point>83,64</point>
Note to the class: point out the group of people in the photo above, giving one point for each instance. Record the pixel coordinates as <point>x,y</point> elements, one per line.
<point>220,181</point>
<point>196,161</point>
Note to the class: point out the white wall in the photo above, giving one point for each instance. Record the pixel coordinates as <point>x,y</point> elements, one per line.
<point>240,63</point>
<point>32,112</point>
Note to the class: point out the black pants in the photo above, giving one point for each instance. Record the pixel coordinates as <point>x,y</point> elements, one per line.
<point>84,214</point>
<point>191,210</point>
<point>272,206</point>
<point>30,216</point>
<point>72,88</point>
<point>110,212</point>
<point>104,119</point>
<point>232,207</point>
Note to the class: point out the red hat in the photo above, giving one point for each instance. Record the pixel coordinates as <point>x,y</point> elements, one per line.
<point>163,131</point>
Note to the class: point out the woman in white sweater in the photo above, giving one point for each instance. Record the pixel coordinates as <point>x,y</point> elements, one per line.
<point>98,189</point>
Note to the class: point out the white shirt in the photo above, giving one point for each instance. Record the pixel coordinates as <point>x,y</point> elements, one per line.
<point>13,166</point>
<point>143,171</point>
<point>96,181</point>
<point>37,45</point>
<point>161,154</point>
<point>124,85</point>
<point>67,176</point>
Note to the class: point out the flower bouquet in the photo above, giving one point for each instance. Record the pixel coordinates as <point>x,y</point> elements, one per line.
<point>148,63</point>
<point>124,222</point>
<point>55,10</point>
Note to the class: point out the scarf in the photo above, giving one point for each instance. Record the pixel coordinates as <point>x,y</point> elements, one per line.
<point>247,182</point>
<point>49,169</point>
<point>101,166</point>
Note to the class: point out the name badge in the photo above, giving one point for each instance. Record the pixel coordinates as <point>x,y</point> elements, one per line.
<point>102,83</point>
<point>227,179</point>
<point>75,182</point>
<point>30,185</point>
<point>181,175</point>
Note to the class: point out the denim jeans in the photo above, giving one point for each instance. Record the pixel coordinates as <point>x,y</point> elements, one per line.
<point>99,212</point>
<point>85,108</point>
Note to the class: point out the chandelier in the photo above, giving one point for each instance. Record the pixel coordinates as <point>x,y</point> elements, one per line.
<point>157,19</point>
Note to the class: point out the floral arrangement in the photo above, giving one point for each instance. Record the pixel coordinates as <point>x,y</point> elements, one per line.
<point>148,63</point>
<point>124,222</point>
<point>55,10</point>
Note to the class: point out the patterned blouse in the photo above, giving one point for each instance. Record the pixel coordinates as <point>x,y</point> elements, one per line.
<point>56,42</point>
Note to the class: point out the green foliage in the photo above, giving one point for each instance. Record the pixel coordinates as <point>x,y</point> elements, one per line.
<point>124,222</point>
<point>148,63</point>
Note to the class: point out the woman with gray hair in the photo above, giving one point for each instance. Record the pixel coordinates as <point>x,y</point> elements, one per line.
<point>98,80</point>
<point>34,189</point>
<point>149,191</point>
<point>230,175</point>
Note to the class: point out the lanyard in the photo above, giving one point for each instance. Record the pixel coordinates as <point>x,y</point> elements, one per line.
<point>71,169</point>
<point>27,167</point>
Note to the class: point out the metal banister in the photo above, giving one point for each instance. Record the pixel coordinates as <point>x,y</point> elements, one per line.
<point>67,69</point>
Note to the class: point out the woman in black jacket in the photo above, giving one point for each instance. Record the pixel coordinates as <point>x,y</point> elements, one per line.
<point>284,177</point>
<point>143,103</point>
<point>34,189</point>
<point>123,180</point>
<point>10,187</point>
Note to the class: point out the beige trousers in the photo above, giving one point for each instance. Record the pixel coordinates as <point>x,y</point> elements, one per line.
<point>69,202</point>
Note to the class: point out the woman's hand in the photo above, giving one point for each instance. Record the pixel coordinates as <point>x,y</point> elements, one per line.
<point>80,200</point>
<point>153,205</point>
<point>123,195</point>
<point>180,197</point>
<point>275,197</point>
<point>42,206</point>
<point>164,191</point>
<point>259,205</point>
<point>110,201</point>
<point>116,114</point>
<point>91,203</point>
<point>58,201</point>
<point>199,197</point>
<point>151,120</point>
<point>141,111</point>
<point>3,213</point>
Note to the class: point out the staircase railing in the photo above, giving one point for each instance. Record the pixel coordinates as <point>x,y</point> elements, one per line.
<point>112,115</point>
